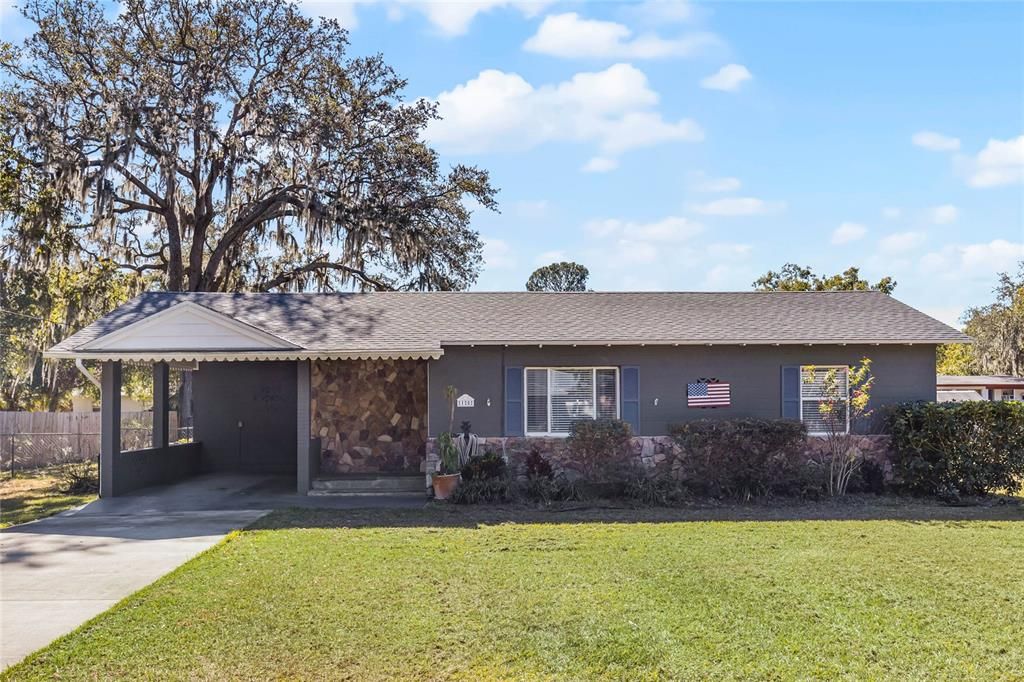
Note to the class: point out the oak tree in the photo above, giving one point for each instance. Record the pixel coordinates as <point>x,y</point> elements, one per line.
<point>222,145</point>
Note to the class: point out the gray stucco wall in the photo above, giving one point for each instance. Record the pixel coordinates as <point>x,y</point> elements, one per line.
<point>135,469</point>
<point>258,396</point>
<point>901,373</point>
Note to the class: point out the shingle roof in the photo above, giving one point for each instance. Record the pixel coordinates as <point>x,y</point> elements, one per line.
<point>394,321</point>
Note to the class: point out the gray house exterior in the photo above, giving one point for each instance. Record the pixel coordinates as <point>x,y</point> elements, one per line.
<point>344,385</point>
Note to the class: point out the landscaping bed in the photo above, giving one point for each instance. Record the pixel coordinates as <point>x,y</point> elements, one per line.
<point>513,592</point>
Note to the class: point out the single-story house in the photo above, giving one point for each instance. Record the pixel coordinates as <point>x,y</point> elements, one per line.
<point>350,385</point>
<point>967,388</point>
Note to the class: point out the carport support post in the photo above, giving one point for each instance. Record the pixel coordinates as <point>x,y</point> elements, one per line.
<point>110,424</point>
<point>161,422</point>
<point>302,426</point>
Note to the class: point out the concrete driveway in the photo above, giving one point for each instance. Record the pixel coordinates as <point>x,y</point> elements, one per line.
<point>57,573</point>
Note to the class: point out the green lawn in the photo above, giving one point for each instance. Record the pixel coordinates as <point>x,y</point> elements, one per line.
<point>33,495</point>
<point>418,596</point>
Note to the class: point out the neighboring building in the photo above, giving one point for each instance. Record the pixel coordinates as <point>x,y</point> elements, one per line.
<point>345,384</point>
<point>964,388</point>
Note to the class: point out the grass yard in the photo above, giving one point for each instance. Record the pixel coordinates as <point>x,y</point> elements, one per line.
<point>33,495</point>
<point>422,595</point>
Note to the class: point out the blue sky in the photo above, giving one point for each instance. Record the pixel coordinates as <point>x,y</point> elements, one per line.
<point>679,146</point>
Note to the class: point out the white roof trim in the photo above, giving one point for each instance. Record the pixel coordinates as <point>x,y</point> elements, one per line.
<point>247,356</point>
<point>241,336</point>
<point>706,342</point>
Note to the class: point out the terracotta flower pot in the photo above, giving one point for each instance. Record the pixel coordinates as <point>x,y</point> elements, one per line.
<point>444,484</point>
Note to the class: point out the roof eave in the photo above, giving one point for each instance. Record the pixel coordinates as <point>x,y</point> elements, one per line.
<point>246,355</point>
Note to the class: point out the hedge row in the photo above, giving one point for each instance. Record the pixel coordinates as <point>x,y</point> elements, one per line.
<point>954,449</point>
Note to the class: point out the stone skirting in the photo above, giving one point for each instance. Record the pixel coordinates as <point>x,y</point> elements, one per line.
<point>655,454</point>
<point>370,415</point>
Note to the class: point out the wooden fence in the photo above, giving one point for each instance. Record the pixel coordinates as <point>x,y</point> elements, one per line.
<point>29,440</point>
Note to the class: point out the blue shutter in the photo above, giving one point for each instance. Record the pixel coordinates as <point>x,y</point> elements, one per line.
<point>631,397</point>
<point>513,401</point>
<point>791,392</point>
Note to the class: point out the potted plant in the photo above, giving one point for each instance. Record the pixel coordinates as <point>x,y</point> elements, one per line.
<point>448,474</point>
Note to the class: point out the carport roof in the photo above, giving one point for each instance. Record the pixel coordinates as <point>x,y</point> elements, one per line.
<point>408,324</point>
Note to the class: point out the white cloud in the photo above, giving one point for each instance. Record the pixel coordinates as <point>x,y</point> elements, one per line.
<point>739,206</point>
<point>901,242</point>
<point>454,18</point>
<point>1001,162</point>
<point>729,78</point>
<point>573,36</point>
<point>448,18</point>
<point>344,12</point>
<point>892,213</point>
<point>945,214</point>
<point>960,261</point>
<point>502,111</point>
<point>664,11</point>
<point>728,250</point>
<point>669,229</point>
<point>548,257</point>
<point>935,142</point>
<point>600,164</point>
<point>497,253</point>
<point>848,232</point>
<point>701,182</point>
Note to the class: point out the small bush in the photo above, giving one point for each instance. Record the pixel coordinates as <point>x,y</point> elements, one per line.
<point>869,478</point>
<point>656,491</point>
<point>745,458</point>
<point>483,467</point>
<point>537,466</point>
<point>76,476</point>
<point>596,443</point>
<point>954,449</point>
<point>557,488</point>
<point>484,490</point>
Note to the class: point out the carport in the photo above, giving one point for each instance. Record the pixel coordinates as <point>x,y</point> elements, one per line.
<point>245,420</point>
<point>249,396</point>
<point>252,359</point>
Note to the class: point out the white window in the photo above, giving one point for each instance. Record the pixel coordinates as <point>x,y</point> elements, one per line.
<point>558,396</point>
<point>814,391</point>
<point>1007,394</point>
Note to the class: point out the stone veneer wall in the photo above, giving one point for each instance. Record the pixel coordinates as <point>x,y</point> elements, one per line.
<point>656,454</point>
<point>370,415</point>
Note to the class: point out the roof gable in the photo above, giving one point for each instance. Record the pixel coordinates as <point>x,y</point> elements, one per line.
<point>188,325</point>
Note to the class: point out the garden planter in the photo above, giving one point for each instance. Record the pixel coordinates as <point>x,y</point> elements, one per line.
<point>444,484</point>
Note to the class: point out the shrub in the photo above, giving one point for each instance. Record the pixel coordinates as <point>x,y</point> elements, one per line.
<point>483,467</point>
<point>557,488</point>
<point>869,478</point>
<point>658,491</point>
<point>537,466</point>
<point>744,458</point>
<point>596,443</point>
<point>953,449</point>
<point>76,476</point>
<point>483,490</point>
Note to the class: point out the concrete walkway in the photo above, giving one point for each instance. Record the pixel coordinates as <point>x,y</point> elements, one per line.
<point>57,573</point>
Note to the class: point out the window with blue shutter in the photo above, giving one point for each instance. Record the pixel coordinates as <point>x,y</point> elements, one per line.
<point>631,397</point>
<point>791,392</point>
<point>513,401</point>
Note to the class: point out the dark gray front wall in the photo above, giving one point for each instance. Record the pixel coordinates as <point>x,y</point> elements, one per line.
<point>901,373</point>
<point>245,416</point>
